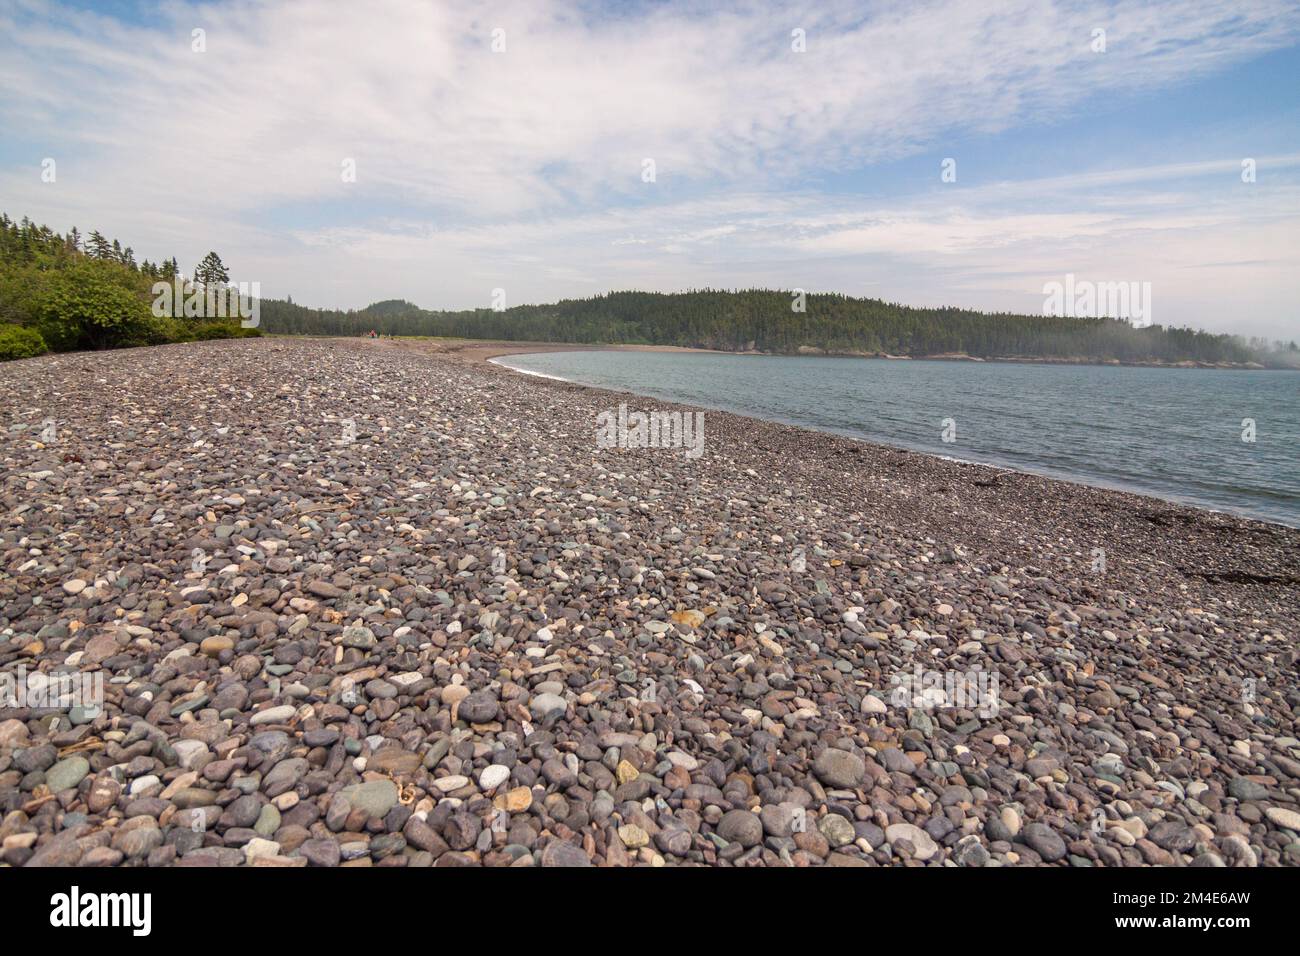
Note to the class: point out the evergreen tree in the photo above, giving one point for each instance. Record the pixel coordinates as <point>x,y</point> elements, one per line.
<point>211,270</point>
<point>100,299</point>
<point>98,246</point>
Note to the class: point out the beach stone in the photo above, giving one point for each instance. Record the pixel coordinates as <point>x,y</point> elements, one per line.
<point>284,776</point>
<point>778,819</point>
<point>61,851</point>
<point>359,637</point>
<point>1283,817</point>
<point>268,821</point>
<point>493,776</point>
<point>519,799</point>
<point>394,761</point>
<point>67,773</point>
<point>1244,789</point>
<point>560,853</point>
<point>451,783</point>
<point>242,812</point>
<point>320,852</point>
<point>839,768</point>
<point>969,852</point>
<point>12,733</point>
<point>375,797</point>
<point>674,840</point>
<point>461,830</point>
<point>837,830</point>
<point>633,836</point>
<point>259,848</point>
<point>139,842</point>
<point>681,661</point>
<point>273,715</point>
<point>1044,841</point>
<point>1173,835</point>
<point>546,705</point>
<point>923,845</point>
<point>741,826</point>
<point>873,705</point>
<point>34,759</point>
<point>188,752</point>
<point>480,707</point>
<point>216,646</point>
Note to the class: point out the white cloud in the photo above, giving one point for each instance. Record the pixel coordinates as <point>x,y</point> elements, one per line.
<point>476,168</point>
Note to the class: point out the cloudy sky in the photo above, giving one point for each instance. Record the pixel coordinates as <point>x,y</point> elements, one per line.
<point>524,167</point>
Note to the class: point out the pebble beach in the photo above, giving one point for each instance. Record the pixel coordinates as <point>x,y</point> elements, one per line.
<point>375,603</point>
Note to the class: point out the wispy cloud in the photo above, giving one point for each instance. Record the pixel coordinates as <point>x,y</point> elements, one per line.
<point>524,168</point>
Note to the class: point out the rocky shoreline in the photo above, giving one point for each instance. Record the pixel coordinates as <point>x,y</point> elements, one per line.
<point>353,603</point>
<point>480,350</point>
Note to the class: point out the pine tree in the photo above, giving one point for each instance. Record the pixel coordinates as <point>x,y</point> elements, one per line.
<point>211,270</point>
<point>98,246</point>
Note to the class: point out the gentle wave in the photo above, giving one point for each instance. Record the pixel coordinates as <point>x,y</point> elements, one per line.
<point>526,371</point>
<point>1171,433</point>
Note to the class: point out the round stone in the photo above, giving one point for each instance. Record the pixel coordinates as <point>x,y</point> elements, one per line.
<point>480,707</point>
<point>837,830</point>
<point>375,797</point>
<point>839,768</point>
<point>1044,841</point>
<point>741,826</point>
<point>923,845</point>
<point>67,773</point>
<point>493,776</point>
<point>546,705</point>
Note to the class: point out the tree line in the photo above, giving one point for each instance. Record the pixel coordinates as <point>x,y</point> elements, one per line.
<point>68,292</point>
<point>764,320</point>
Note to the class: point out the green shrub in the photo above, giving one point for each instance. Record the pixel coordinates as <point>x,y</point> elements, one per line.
<point>220,329</point>
<point>17,342</point>
<point>163,330</point>
<point>92,304</point>
<point>72,299</point>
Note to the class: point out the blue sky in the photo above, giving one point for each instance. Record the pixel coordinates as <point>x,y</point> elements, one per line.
<point>522,169</point>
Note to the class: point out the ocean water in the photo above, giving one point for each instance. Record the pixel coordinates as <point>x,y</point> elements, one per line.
<point>1171,433</point>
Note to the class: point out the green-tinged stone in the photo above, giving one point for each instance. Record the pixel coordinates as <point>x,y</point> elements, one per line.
<point>194,703</point>
<point>268,821</point>
<point>376,797</point>
<point>67,773</point>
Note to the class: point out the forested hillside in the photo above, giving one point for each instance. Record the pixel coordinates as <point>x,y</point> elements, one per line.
<point>763,320</point>
<point>64,292</point>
